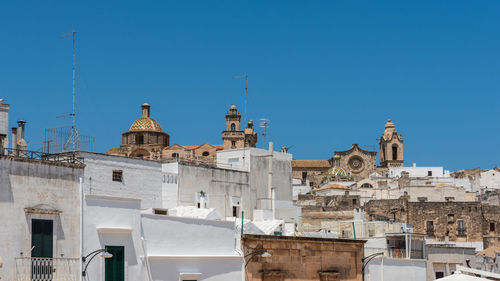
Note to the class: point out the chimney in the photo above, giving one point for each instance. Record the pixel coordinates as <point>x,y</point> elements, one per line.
<point>21,143</point>
<point>14,138</point>
<point>145,110</point>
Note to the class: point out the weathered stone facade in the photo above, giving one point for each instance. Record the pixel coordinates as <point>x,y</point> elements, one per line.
<point>146,139</point>
<point>357,162</point>
<point>312,170</point>
<point>319,209</point>
<point>302,258</point>
<point>442,221</point>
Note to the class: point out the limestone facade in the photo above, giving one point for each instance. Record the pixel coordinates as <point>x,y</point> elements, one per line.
<point>302,258</point>
<point>442,221</point>
<point>146,139</point>
<point>355,163</point>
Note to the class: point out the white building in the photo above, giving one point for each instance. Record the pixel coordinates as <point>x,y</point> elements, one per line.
<point>40,215</point>
<point>417,172</point>
<point>156,246</point>
<point>490,179</point>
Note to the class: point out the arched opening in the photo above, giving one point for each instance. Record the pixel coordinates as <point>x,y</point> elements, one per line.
<point>175,155</point>
<point>205,153</point>
<point>366,185</point>
<point>394,152</point>
<point>233,127</point>
<point>140,153</point>
<point>139,139</point>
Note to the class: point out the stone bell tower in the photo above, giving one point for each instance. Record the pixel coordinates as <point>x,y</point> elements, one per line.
<point>233,137</point>
<point>391,147</point>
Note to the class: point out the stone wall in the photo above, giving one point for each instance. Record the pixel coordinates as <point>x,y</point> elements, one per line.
<point>301,258</point>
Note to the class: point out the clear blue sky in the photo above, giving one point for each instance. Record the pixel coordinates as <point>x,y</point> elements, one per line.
<point>326,73</point>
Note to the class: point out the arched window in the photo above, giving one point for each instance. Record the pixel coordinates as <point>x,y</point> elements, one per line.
<point>366,185</point>
<point>205,153</point>
<point>233,127</point>
<point>394,152</point>
<point>139,139</point>
<point>175,155</point>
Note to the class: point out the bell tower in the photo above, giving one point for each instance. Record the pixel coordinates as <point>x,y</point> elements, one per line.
<point>391,147</point>
<point>233,137</point>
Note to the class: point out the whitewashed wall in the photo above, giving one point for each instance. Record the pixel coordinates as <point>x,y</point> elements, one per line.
<point>142,179</point>
<point>490,179</point>
<point>28,183</point>
<point>179,246</point>
<point>113,221</point>
<point>395,269</point>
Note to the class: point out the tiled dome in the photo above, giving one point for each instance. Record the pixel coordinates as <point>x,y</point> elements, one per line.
<point>146,124</point>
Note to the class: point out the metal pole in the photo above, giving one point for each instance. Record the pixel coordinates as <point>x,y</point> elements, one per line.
<point>354,230</point>
<point>246,88</point>
<point>242,215</point>
<point>74,129</point>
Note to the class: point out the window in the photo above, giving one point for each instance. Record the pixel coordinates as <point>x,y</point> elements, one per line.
<point>233,143</point>
<point>366,185</point>
<point>492,226</point>
<point>394,152</point>
<point>205,153</point>
<point>451,218</point>
<point>439,274</point>
<point>235,211</point>
<point>139,139</point>
<point>160,212</point>
<point>429,173</point>
<point>304,176</point>
<point>430,228</point>
<point>118,175</point>
<point>354,201</point>
<point>175,155</point>
<point>461,228</point>
<point>233,127</point>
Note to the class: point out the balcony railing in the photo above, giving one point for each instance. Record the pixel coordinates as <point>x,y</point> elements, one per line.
<point>47,269</point>
<point>401,254</point>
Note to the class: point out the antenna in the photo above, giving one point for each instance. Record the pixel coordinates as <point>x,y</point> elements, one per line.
<point>73,128</point>
<point>246,88</point>
<point>264,124</point>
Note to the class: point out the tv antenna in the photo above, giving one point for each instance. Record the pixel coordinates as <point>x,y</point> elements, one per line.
<point>73,115</point>
<point>264,123</point>
<point>246,88</point>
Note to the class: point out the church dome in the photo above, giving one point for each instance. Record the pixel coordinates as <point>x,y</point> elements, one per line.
<point>145,123</point>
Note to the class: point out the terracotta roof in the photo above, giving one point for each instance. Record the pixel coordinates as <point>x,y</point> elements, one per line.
<point>190,147</point>
<point>332,186</point>
<point>310,164</point>
<point>219,146</point>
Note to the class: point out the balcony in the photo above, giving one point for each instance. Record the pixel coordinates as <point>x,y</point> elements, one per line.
<point>47,269</point>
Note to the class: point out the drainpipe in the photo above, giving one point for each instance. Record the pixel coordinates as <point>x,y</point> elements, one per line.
<point>81,226</point>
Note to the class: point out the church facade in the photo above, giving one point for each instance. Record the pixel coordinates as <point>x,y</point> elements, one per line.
<point>355,163</point>
<point>146,139</point>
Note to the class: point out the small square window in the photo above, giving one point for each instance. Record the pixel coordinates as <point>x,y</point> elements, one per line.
<point>160,212</point>
<point>118,175</point>
<point>429,173</point>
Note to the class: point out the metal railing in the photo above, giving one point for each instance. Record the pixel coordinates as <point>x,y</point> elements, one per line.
<point>401,254</point>
<point>67,157</point>
<point>47,269</point>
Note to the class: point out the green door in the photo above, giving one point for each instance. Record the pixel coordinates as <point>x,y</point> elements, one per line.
<point>115,266</point>
<point>41,238</point>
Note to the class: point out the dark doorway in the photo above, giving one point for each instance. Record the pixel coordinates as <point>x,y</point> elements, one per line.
<point>42,238</point>
<point>115,266</point>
